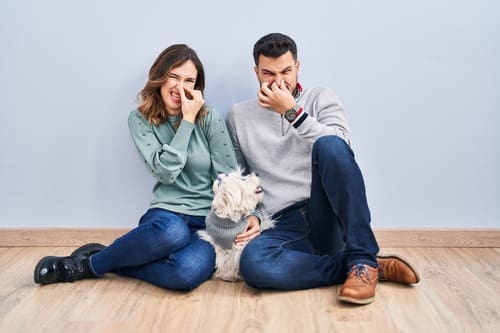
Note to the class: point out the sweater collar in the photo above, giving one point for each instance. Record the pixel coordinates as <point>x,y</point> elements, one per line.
<point>297,91</point>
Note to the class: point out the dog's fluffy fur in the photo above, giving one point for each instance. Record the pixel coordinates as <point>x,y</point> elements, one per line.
<point>235,197</point>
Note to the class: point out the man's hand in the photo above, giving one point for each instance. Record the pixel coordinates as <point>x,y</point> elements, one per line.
<point>191,103</point>
<point>252,230</point>
<point>275,97</point>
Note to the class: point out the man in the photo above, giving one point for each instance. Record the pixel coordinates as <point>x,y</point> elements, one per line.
<point>323,234</point>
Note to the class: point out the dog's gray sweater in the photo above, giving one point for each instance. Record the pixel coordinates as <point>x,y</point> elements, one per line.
<point>224,231</point>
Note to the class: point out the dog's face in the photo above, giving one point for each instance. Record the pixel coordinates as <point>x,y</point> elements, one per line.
<point>235,195</point>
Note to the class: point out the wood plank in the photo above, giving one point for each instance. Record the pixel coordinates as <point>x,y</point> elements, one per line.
<point>394,238</point>
<point>439,238</point>
<point>459,292</point>
<point>72,237</point>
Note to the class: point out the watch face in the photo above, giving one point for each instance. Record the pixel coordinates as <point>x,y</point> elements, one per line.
<point>290,115</point>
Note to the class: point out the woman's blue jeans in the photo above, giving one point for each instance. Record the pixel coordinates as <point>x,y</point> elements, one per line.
<point>317,241</point>
<point>163,249</point>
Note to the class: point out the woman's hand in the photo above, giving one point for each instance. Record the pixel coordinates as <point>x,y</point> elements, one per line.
<point>252,230</point>
<point>191,103</point>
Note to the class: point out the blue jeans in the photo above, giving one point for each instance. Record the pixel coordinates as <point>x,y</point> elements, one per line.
<point>317,241</point>
<point>163,249</point>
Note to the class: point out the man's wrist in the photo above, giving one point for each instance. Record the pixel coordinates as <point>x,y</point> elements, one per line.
<point>292,113</point>
<point>296,116</point>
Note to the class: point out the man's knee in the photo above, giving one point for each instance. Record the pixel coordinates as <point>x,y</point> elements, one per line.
<point>330,146</point>
<point>330,142</point>
<point>248,259</point>
<point>260,266</point>
<point>253,264</point>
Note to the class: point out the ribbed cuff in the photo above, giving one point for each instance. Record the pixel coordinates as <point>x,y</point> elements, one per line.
<point>301,116</point>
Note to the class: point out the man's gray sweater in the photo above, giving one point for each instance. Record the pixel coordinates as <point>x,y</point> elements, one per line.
<point>279,151</point>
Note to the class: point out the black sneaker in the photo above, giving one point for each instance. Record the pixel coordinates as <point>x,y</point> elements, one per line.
<point>87,250</point>
<point>62,269</point>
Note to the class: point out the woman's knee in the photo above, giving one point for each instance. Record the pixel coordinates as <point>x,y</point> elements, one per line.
<point>195,266</point>
<point>170,232</point>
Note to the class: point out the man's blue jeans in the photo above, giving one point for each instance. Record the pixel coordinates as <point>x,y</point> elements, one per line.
<point>317,241</point>
<point>163,249</point>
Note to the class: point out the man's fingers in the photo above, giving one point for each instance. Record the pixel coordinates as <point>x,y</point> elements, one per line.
<point>282,85</point>
<point>265,88</point>
<point>264,105</point>
<point>262,97</point>
<point>246,234</point>
<point>252,228</point>
<point>275,86</point>
<point>246,239</point>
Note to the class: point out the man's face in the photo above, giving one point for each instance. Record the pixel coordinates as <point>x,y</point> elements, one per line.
<point>277,69</point>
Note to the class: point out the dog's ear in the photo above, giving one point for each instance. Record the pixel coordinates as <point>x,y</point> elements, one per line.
<point>232,198</point>
<point>225,198</point>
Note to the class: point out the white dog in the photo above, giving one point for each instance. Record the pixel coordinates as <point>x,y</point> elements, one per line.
<point>235,197</point>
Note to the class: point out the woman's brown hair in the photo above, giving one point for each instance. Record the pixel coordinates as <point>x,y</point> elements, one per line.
<point>150,101</point>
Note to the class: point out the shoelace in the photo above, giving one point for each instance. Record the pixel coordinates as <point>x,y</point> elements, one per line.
<point>381,271</point>
<point>361,272</point>
<point>69,270</point>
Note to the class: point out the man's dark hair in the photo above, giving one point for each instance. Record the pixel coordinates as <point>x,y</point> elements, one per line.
<point>274,45</point>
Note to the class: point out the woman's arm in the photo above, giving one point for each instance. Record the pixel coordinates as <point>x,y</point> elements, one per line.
<point>165,161</point>
<point>221,149</point>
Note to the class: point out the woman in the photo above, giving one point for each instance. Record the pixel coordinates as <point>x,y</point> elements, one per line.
<point>184,145</point>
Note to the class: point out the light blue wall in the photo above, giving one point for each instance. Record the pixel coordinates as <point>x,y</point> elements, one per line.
<point>420,83</point>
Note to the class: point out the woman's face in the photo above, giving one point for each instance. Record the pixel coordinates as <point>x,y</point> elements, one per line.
<point>177,78</point>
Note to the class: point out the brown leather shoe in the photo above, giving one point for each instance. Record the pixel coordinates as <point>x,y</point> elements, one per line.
<point>359,287</point>
<point>396,269</point>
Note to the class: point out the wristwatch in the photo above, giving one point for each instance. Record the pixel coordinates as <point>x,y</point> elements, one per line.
<point>291,114</point>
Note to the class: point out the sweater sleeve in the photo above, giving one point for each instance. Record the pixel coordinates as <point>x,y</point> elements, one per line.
<point>222,154</point>
<point>328,117</point>
<point>234,138</point>
<point>165,161</point>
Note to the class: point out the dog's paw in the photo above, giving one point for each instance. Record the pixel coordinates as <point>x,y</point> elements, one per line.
<point>205,236</point>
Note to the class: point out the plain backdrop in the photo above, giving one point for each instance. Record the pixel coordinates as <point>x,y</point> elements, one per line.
<point>419,80</point>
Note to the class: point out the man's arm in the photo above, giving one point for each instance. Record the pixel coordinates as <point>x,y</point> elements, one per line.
<point>324,115</point>
<point>320,114</point>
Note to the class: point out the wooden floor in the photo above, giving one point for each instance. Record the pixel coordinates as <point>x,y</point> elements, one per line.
<point>459,292</point>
